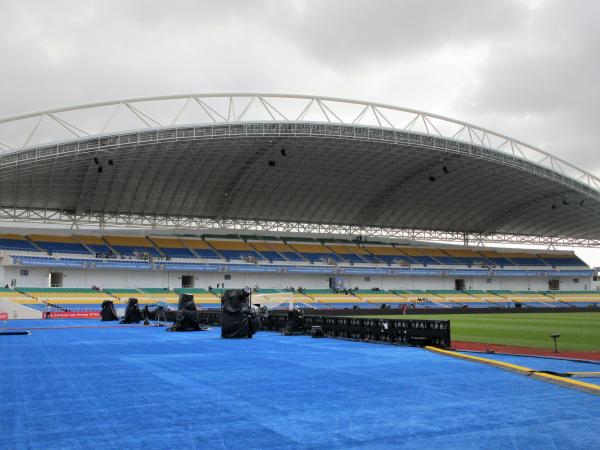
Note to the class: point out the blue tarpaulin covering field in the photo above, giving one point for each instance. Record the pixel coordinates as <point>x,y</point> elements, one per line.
<point>141,387</point>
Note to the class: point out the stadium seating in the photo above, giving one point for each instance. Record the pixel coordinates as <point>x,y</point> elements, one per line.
<point>563,260</point>
<point>461,298</point>
<point>496,258</point>
<point>160,295</point>
<point>65,293</point>
<point>16,242</point>
<point>265,249</point>
<point>575,298</point>
<point>66,299</point>
<point>387,254</point>
<point>293,250</point>
<point>132,245</point>
<point>487,298</point>
<point>331,299</point>
<point>15,295</point>
<point>316,253</point>
<point>463,256</point>
<point>423,255</point>
<point>527,298</point>
<point>451,296</point>
<point>122,294</point>
<point>82,299</point>
<point>173,248</point>
<point>200,248</point>
<point>235,249</point>
<point>379,298</point>
<point>422,298</point>
<point>59,244</point>
<point>524,259</point>
<point>94,243</point>
<point>349,253</point>
<point>286,251</point>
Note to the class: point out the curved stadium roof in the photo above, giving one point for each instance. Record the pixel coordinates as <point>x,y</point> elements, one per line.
<point>288,163</point>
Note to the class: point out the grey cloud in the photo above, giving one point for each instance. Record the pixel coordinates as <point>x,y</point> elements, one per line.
<point>545,82</point>
<point>534,74</point>
<point>351,32</point>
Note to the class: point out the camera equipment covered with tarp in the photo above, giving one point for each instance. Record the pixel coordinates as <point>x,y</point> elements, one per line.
<point>237,318</point>
<point>108,312</point>
<point>294,323</point>
<point>132,312</point>
<point>187,315</point>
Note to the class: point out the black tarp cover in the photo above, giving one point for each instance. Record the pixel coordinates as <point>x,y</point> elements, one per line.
<point>132,312</point>
<point>236,314</point>
<point>108,312</point>
<point>294,322</point>
<point>187,317</point>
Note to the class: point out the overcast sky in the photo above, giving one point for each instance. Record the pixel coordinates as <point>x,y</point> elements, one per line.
<point>529,69</point>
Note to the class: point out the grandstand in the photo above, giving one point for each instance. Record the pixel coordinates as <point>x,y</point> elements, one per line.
<point>88,300</point>
<point>279,210</point>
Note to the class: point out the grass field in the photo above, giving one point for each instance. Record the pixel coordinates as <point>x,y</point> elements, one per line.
<point>579,331</point>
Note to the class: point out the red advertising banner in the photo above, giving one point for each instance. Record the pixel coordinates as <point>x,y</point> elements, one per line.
<point>3,316</point>
<point>75,315</point>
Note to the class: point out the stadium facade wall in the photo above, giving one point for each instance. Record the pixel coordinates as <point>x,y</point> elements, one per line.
<point>39,277</point>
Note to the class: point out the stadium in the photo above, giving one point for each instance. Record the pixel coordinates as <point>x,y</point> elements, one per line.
<point>362,214</point>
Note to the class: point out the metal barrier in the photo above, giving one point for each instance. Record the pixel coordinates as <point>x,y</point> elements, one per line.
<point>395,331</point>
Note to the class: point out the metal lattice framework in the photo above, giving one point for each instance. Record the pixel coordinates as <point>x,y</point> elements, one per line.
<point>30,136</point>
<point>200,225</point>
<point>248,107</point>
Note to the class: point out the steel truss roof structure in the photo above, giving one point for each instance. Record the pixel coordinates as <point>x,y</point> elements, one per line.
<point>287,163</point>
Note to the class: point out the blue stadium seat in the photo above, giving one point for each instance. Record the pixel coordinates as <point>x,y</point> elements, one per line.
<point>17,244</point>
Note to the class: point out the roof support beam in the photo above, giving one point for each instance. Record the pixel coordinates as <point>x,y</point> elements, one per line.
<point>153,222</point>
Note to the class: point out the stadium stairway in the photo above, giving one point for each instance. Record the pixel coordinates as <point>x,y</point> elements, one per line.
<point>109,246</point>
<point>131,245</point>
<point>17,310</point>
<point>172,248</point>
<point>87,247</point>
<point>267,251</point>
<point>349,253</point>
<point>95,244</point>
<point>58,244</point>
<point>235,250</point>
<point>16,242</point>
<point>201,249</point>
